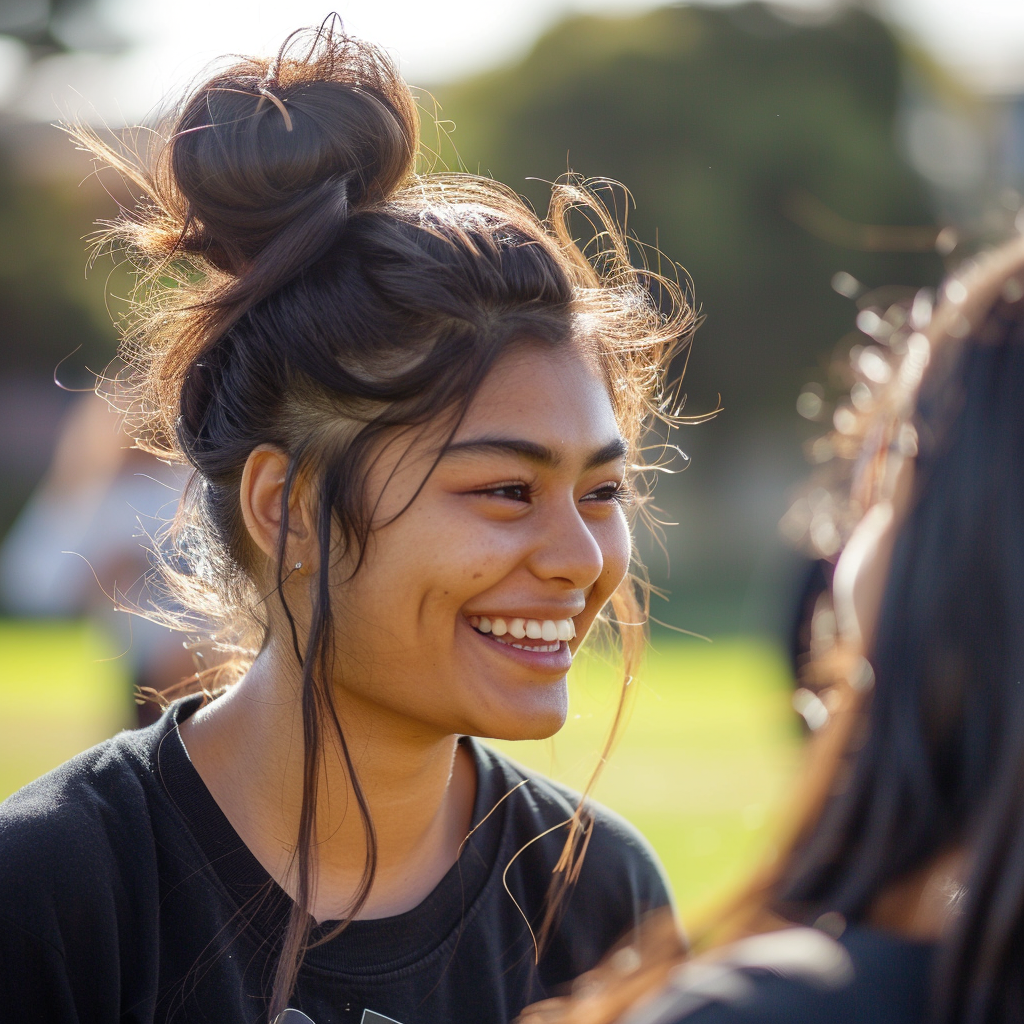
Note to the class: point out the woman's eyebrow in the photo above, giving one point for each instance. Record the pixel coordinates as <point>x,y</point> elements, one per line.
<point>534,452</point>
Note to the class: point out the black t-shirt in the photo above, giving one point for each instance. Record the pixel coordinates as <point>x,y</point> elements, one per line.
<point>125,895</point>
<point>801,975</point>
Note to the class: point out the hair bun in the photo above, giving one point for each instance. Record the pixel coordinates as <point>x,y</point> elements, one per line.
<point>270,158</point>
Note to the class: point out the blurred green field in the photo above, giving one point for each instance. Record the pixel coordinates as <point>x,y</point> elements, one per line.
<point>62,689</point>
<point>710,748</point>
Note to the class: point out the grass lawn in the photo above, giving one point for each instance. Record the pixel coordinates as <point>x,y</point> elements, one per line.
<point>60,693</point>
<point>709,750</point>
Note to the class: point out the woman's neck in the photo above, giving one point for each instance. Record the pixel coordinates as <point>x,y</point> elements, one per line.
<point>247,747</point>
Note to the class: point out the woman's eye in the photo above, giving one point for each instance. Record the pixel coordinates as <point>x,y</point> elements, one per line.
<point>511,492</point>
<point>610,492</point>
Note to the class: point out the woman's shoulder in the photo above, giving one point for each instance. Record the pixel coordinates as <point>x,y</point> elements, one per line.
<point>82,849</point>
<point>618,856</point>
<point>77,823</point>
<point>865,977</point>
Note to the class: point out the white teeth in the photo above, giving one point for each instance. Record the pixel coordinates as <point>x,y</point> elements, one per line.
<point>551,631</point>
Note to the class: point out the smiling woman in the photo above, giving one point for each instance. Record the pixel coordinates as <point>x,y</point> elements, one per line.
<point>414,414</point>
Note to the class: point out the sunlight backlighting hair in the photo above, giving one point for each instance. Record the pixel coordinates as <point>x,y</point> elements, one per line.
<point>300,285</point>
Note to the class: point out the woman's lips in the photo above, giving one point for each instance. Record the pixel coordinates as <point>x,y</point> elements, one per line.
<point>534,652</point>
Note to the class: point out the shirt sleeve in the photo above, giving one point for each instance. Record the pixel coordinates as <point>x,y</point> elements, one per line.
<point>622,860</point>
<point>67,936</point>
<point>620,883</point>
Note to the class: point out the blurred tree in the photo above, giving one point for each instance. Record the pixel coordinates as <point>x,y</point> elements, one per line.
<point>752,146</point>
<point>53,318</point>
<point>54,321</point>
<point>48,27</point>
<point>49,307</point>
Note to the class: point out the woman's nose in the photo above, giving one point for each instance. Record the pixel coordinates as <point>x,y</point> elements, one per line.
<point>567,549</point>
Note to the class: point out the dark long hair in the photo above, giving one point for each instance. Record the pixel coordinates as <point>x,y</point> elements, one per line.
<point>942,760</point>
<point>301,286</point>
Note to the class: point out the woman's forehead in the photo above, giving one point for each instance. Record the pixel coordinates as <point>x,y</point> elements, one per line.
<point>555,396</point>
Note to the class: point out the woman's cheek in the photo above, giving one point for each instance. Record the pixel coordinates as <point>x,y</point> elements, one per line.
<point>614,542</point>
<point>490,551</point>
<point>613,538</point>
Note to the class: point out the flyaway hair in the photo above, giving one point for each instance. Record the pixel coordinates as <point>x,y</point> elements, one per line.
<point>302,286</point>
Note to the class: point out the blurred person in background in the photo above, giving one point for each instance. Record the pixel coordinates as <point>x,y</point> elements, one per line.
<point>414,413</point>
<point>901,897</point>
<point>82,546</point>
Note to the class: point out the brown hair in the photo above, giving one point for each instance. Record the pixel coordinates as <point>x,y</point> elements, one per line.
<point>301,286</point>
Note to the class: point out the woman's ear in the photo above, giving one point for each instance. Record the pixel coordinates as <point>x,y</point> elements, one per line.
<point>261,491</point>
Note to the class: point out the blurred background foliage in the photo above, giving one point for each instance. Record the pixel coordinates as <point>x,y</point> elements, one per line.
<point>48,27</point>
<point>55,322</point>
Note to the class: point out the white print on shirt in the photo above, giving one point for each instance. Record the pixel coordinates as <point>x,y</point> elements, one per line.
<point>293,1016</point>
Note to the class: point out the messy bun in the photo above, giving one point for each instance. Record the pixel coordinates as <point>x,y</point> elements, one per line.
<point>270,158</point>
<point>250,181</point>
<point>301,287</point>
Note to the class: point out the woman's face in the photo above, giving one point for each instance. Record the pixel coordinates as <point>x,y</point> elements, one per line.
<point>863,568</point>
<point>519,528</point>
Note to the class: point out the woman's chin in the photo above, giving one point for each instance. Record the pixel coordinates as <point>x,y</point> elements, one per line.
<point>534,716</point>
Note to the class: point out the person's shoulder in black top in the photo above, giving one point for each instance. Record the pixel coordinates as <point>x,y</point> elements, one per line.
<point>619,866</point>
<point>126,895</point>
<point>867,976</point>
